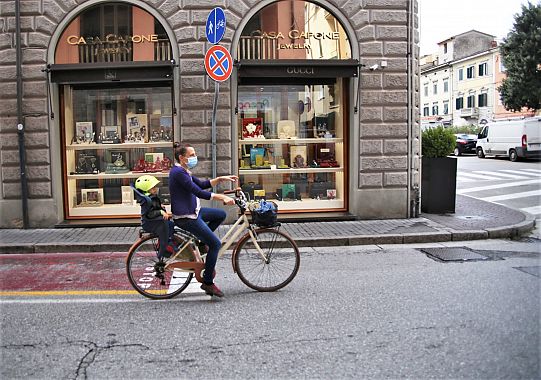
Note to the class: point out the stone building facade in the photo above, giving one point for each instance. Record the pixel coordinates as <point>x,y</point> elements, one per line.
<point>379,110</point>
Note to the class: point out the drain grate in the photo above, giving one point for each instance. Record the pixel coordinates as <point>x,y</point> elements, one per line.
<point>455,254</point>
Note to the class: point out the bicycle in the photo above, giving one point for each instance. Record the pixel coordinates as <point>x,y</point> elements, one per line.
<point>265,258</point>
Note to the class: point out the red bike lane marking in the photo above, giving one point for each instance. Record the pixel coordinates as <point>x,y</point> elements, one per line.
<point>63,272</point>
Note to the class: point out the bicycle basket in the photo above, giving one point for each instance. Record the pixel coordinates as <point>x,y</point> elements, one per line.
<point>265,215</point>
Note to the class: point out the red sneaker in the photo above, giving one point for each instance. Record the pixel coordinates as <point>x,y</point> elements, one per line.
<point>212,290</point>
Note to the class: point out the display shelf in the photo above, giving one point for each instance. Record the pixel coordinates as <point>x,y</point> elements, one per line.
<point>292,141</point>
<point>115,176</point>
<point>165,144</point>
<point>109,210</point>
<point>306,204</point>
<point>290,170</point>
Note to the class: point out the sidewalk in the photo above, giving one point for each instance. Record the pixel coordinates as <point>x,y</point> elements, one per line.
<point>473,219</point>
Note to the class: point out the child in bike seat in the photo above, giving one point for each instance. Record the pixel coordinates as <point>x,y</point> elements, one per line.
<point>154,218</point>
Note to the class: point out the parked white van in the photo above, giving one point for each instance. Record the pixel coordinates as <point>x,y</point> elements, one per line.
<point>515,139</point>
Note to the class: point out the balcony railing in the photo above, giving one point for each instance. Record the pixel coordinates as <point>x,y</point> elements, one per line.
<point>162,51</point>
<point>120,52</point>
<point>473,111</point>
<point>257,48</point>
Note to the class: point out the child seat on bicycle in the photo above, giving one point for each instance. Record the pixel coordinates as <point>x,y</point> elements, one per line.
<point>154,217</point>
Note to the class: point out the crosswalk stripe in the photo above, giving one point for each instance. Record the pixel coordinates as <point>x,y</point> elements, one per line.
<point>533,170</point>
<point>535,210</point>
<point>529,174</point>
<point>462,179</point>
<point>491,187</point>
<point>512,196</point>
<point>475,176</point>
<point>504,175</point>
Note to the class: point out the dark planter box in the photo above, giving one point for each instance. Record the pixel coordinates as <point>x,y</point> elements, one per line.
<point>438,185</point>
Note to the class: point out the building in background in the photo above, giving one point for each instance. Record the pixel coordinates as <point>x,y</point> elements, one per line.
<point>469,66</point>
<point>319,115</point>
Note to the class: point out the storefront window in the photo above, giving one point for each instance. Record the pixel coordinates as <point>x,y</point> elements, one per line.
<point>294,29</point>
<point>291,144</point>
<point>112,136</point>
<point>295,62</point>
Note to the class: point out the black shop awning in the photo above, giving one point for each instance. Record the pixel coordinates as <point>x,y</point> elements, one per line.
<point>289,68</point>
<point>110,72</point>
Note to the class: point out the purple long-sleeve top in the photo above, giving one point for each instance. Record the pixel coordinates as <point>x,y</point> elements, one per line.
<point>185,189</point>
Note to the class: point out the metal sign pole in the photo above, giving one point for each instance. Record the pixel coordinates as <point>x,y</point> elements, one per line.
<point>214,110</point>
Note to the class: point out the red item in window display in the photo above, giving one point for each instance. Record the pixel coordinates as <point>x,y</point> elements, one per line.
<point>143,166</point>
<point>252,128</point>
<point>166,164</point>
<point>140,166</point>
<point>328,163</point>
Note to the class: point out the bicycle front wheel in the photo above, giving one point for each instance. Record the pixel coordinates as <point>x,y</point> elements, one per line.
<point>149,275</point>
<point>271,269</point>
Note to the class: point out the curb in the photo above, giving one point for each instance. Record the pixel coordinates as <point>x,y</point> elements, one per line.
<point>505,232</point>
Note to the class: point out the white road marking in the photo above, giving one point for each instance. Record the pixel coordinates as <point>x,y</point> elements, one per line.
<point>523,172</point>
<point>179,279</point>
<point>512,196</point>
<point>535,210</point>
<point>476,177</point>
<point>533,170</point>
<point>504,175</point>
<point>180,298</point>
<point>491,187</point>
<point>459,178</point>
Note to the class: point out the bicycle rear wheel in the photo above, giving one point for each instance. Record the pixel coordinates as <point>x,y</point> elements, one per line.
<point>276,270</point>
<point>149,275</point>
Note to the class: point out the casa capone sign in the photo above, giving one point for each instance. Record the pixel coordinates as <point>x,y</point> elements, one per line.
<point>111,39</point>
<point>295,36</point>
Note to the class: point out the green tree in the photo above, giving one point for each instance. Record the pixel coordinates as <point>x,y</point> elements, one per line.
<point>521,54</point>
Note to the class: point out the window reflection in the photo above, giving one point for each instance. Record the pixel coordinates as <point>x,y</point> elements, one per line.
<point>293,29</point>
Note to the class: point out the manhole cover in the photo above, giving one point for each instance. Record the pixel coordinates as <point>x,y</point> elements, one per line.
<point>459,254</point>
<point>534,271</point>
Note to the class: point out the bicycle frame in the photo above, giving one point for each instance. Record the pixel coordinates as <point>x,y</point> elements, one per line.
<point>233,233</point>
<point>240,226</point>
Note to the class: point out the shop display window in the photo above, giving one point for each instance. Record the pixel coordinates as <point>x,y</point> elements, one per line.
<point>291,145</point>
<point>112,136</point>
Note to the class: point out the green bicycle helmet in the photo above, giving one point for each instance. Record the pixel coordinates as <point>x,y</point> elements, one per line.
<point>145,183</point>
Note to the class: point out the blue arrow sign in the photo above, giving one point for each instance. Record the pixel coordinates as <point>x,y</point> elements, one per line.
<point>215,28</point>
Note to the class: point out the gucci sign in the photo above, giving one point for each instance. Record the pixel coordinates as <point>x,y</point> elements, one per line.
<point>300,70</point>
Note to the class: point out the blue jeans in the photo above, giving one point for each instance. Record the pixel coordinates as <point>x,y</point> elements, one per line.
<point>163,229</point>
<point>208,220</point>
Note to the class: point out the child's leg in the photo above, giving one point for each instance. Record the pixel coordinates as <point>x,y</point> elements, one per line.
<point>171,229</point>
<point>160,228</point>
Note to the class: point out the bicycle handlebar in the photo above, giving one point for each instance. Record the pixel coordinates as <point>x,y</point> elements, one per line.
<point>233,191</point>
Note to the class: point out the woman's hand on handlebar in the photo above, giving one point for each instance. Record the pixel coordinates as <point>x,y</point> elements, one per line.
<point>224,198</point>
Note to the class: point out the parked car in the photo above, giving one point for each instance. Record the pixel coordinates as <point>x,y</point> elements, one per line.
<point>465,143</point>
<point>520,138</point>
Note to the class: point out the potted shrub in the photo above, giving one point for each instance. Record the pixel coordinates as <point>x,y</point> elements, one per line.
<point>438,178</point>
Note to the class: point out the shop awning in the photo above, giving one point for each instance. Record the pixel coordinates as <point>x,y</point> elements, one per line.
<point>110,72</point>
<point>288,68</point>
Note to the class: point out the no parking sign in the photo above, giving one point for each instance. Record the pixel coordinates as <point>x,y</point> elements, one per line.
<point>218,63</point>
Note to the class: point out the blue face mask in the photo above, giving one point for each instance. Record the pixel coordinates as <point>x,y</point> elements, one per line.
<point>192,162</point>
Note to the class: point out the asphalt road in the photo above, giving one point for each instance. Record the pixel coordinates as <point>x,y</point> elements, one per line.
<point>513,184</point>
<point>352,312</point>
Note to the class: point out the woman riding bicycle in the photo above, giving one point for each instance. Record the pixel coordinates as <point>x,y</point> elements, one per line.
<point>186,191</point>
